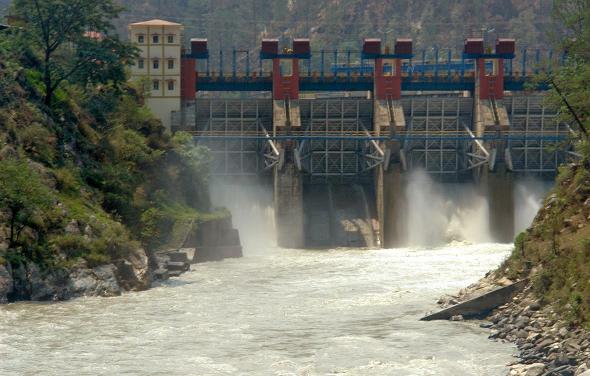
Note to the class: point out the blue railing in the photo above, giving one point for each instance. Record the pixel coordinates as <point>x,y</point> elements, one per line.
<point>333,62</point>
<point>333,70</point>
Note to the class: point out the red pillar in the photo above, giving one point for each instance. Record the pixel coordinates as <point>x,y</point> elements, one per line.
<point>188,80</point>
<point>388,85</point>
<point>285,86</point>
<point>491,85</point>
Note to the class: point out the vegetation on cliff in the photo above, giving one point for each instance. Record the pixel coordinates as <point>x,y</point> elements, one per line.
<point>86,172</point>
<point>555,250</point>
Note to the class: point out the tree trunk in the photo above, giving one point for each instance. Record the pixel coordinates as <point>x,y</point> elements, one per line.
<point>12,224</point>
<point>47,80</point>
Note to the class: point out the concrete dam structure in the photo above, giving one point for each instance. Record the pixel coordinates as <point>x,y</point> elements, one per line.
<point>339,166</point>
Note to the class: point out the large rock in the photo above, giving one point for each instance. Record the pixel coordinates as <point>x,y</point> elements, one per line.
<point>5,283</point>
<point>133,272</point>
<point>47,285</point>
<point>99,281</point>
<point>536,369</point>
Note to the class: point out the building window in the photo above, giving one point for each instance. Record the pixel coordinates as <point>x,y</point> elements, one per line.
<point>140,63</point>
<point>156,64</point>
<point>155,39</point>
<point>170,63</point>
<point>140,39</point>
<point>170,85</point>
<point>155,85</point>
<point>171,38</point>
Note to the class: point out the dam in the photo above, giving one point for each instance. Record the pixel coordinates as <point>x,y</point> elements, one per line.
<point>337,147</point>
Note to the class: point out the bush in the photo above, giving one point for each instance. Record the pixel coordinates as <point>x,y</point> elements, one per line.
<point>67,180</point>
<point>542,283</point>
<point>23,193</point>
<point>71,246</point>
<point>38,142</point>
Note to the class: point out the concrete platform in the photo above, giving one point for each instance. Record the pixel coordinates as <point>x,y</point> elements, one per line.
<point>481,305</point>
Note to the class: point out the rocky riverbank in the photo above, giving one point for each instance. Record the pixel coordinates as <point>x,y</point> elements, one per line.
<point>547,344</point>
<point>216,240</point>
<point>549,319</point>
<point>33,282</point>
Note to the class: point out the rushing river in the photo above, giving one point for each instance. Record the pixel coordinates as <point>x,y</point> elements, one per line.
<point>280,312</point>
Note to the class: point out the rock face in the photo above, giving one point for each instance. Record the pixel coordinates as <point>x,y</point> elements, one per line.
<point>215,240</point>
<point>31,282</point>
<point>133,272</point>
<point>211,241</point>
<point>34,283</point>
<point>5,283</point>
<point>99,281</point>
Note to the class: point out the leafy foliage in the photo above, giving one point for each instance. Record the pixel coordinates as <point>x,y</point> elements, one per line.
<point>555,251</point>
<point>95,176</point>
<point>24,194</point>
<point>73,42</point>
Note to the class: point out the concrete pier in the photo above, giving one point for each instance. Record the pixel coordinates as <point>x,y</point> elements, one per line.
<point>499,188</point>
<point>288,205</point>
<point>395,208</point>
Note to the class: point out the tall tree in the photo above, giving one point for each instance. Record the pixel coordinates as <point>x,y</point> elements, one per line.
<point>570,83</point>
<point>73,41</point>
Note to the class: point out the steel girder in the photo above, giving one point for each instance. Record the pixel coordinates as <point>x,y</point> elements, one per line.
<point>530,115</point>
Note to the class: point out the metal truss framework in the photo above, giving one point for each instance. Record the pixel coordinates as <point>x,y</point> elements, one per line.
<point>341,160</point>
<point>231,156</point>
<point>435,115</point>
<point>352,155</point>
<point>530,115</point>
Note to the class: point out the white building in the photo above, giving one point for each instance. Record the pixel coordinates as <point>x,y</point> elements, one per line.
<point>159,42</point>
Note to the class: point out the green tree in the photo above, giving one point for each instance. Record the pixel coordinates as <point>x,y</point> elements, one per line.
<point>23,193</point>
<point>73,41</point>
<point>570,82</point>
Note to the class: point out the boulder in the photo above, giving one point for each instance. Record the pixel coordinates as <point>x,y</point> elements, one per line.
<point>536,369</point>
<point>133,273</point>
<point>99,281</point>
<point>6,283</point>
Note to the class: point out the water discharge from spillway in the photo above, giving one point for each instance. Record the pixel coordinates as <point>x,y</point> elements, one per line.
<point>529,194</point>
<point>441,213</point>
<point>251,204</point>
<point>437,213</point>
<point>433,214</point>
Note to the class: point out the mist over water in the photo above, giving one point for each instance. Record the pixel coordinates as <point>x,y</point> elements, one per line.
<point>528,198</point>
<point>435,213</point>
<point>439,213</point>
<point>251,204</point>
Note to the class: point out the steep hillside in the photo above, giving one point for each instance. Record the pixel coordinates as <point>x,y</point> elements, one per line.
<point>90,185</point>
<point>555,251</point>
<point>342,23</point>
